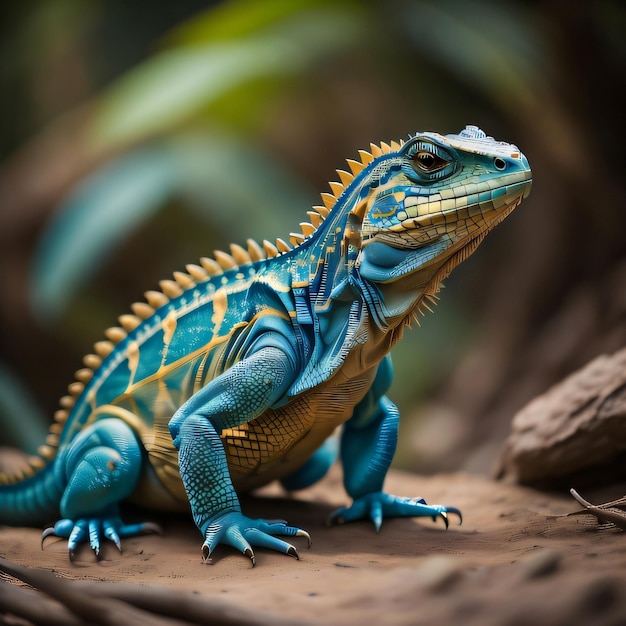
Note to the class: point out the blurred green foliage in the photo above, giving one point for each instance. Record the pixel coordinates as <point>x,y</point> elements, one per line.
<point>139,136</point>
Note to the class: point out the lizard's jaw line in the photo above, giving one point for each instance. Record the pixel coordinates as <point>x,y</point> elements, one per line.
<point>381,261</point>
<point>422,230</point>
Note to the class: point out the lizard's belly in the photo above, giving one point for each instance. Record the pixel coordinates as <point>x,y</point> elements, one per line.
<point>272,446</point>
<point>281,440</point>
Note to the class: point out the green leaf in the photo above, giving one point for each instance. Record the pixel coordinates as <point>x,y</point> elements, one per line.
<point>232,182</point>
<point>173,87</point>
<point>104,209</point>
<point>227,181</point>
<point>241,18</point>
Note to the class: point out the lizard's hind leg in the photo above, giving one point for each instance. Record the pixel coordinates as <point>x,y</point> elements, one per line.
<point>102,467</point>
<point>315,468</point>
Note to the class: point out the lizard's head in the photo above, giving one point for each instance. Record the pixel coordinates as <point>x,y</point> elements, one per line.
<point>425,207</point>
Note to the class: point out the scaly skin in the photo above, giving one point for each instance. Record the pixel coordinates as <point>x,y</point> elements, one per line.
<point>239,371</point>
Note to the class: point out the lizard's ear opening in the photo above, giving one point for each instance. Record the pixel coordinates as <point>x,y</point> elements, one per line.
<point>352,233</point>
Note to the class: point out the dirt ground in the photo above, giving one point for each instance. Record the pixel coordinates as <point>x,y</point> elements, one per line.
<point>509,563</point>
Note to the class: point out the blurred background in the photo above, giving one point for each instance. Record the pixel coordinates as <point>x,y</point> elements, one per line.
<point>136,137</point>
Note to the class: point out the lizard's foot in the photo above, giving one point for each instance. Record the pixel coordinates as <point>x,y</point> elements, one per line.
<point>378,505</point>
<point>95,530</point>
<point>241,532</point>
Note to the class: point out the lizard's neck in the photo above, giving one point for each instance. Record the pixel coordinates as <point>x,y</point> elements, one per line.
<point>351,323</point>
<point>329,264</point>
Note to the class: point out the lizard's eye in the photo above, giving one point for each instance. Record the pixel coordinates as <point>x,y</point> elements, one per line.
<point>428,162</point>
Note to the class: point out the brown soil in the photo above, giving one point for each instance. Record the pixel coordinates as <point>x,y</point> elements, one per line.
<point>510,562</point>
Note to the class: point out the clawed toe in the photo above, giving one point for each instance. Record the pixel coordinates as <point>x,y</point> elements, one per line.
<point>206,553</point>
<point>378,505</point>
<point>443,514</point>
<point>47,532</point>
<point>250,554</point>
<point>93,531</point>
<point>241,532</point>
<point>303,533</point>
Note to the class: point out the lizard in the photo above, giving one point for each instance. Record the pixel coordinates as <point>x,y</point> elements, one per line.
<point>240,370</point>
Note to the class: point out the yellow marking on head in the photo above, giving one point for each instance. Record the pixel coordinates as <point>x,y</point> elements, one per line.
<point>387,214</point>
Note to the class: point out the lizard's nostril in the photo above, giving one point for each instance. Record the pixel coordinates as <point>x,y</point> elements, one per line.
<point>499,164</point>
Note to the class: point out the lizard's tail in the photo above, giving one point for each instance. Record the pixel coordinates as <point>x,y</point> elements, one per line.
<point>29,497</point>
<point>32,494</point>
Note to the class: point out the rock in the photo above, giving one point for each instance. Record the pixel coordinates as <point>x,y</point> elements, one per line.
<point>540,563</point>
<point>438,573</point>
<point>574,434</point>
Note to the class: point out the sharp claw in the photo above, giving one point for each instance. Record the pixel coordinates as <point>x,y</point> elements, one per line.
<point>291,551</point>
<point>248,552</point>
<point>206,553</point>
<point>71,555</point>
<point>444,516</point>
<point>112,536</point>
<point>48,532</point>
<point>303,533</point>
<point>451,509</point>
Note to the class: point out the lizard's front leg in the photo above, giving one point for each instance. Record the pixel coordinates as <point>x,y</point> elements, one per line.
<point>367,447</point>
<point>237,396</point>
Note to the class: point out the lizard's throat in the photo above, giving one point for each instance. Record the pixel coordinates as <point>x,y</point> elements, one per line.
<point>395,294</point>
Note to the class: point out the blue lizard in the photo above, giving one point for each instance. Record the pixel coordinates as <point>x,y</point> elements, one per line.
<point>238,371</point>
